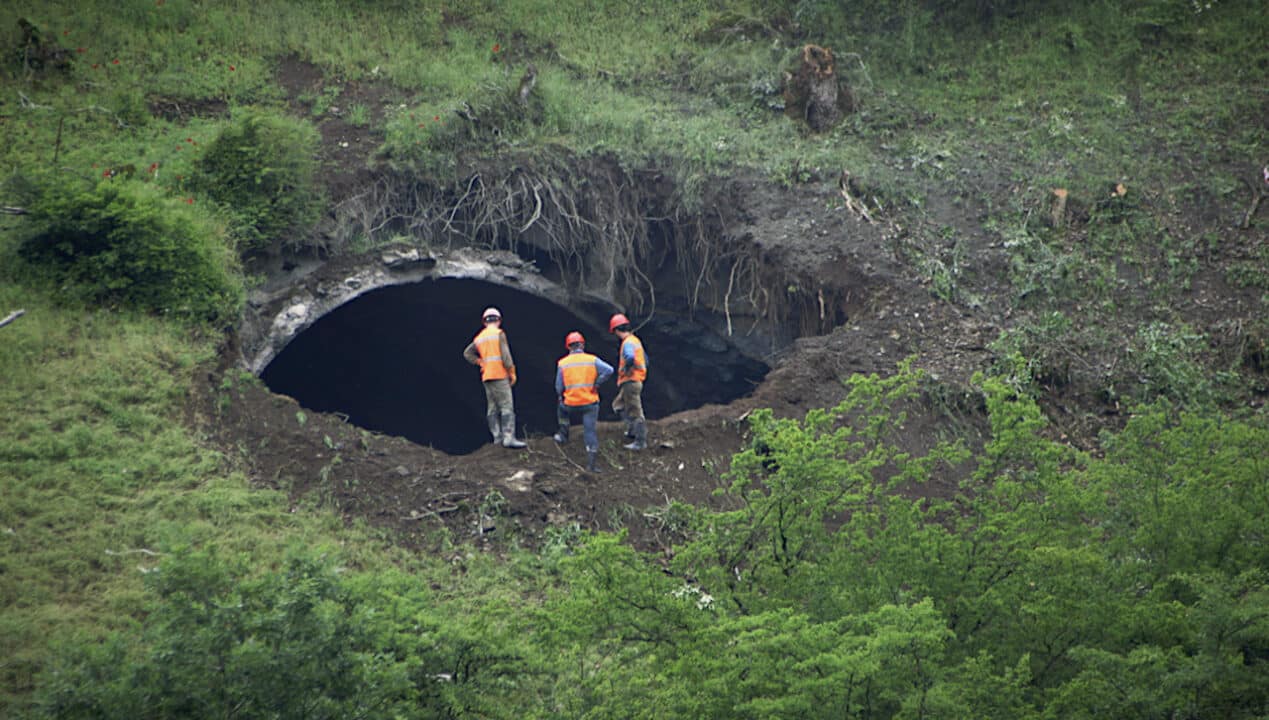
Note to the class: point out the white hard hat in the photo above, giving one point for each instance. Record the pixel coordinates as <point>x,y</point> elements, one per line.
<point>490,312</point>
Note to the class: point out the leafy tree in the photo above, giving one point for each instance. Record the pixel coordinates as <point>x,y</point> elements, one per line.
<point>1049,586</point>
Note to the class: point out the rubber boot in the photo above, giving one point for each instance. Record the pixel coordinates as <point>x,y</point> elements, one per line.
<point>495,428</point>
<point>592,461</point>
<point>509,432</point>
<point>640,436</point>
<point>629,424</point>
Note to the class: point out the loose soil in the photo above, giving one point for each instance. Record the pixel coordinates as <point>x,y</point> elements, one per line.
<point>422,497</point>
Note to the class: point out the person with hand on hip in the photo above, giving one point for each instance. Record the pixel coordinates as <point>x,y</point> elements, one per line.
<point>492,353</point>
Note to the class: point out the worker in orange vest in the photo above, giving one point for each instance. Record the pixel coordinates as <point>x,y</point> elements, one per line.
<point>578,376</point>
<point>491,352</point>
<point>632,370</point>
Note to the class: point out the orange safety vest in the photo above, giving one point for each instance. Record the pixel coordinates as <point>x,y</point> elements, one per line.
<point>489,345</point>
<point>579,374</point>
<point>638,372</point>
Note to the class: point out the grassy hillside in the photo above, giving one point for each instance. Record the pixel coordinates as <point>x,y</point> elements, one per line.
<point>1106,589</point>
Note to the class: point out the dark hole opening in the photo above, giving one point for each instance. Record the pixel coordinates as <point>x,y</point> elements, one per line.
<point>391,360</point>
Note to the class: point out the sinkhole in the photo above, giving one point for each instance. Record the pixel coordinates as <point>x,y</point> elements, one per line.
<point>390,360</point>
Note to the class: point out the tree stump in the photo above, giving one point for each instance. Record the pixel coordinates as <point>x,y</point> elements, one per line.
<point>1057,208</point>
<point>814,93</point>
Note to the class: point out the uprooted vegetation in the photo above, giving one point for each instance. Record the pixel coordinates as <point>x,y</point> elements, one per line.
<point>1055,509</point>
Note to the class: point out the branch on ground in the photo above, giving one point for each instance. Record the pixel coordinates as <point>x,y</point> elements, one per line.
<point>11,317</point>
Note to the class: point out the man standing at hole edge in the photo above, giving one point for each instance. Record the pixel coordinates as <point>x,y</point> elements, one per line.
<point>632,370</point>
<point>498,371</point>
<point>578,376</point>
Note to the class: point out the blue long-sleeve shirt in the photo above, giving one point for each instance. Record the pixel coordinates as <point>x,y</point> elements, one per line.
<point>603,370</point>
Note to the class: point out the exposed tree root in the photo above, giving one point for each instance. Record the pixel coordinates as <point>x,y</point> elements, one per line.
<point>610,233</point>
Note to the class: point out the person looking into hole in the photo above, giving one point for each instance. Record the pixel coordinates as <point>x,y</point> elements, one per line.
<point>578,376</point>
<point>492,353</point>
<point>632,370</point>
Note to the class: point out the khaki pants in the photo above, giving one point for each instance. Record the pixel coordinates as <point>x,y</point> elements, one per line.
<point>498,397</point>
<point>630,400</point>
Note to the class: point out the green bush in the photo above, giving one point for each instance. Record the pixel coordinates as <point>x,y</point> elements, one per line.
<point>124,243</point>
<point>288,645</point>
<point>262,169</point>
<point>309,640</point>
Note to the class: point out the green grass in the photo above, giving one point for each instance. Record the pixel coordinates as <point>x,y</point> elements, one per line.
<point>98,471</point>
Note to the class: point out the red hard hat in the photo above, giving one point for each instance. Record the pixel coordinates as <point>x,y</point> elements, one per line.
<point>573,337</point>
<point>490,312</point>
<point>617,321</point>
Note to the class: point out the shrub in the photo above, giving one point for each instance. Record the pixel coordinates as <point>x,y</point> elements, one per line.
<point>262,169</point>
<point>309,640</point>
<point>124,243</point>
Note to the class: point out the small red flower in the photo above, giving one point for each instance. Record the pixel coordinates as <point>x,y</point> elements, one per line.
<point>115,61</point>
<point>65,33</point>
<point>232,68</point>
<point>189,140</point>
<point>497,47</point>
<point>106,173</point>
<point>154,167</point>
<point>189,201</point>
<point>436,118</point>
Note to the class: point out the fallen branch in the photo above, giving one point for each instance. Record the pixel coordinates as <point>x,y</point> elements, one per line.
<point>30,104</point>
<point>853,205</point>
<point>11,317</point>
<point>12,211</point>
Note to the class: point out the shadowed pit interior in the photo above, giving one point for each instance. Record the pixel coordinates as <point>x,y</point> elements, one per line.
<point>391,361</point>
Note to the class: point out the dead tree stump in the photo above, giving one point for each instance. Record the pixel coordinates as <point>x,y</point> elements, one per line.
<point>1057,208</point>
<point>814,92</point>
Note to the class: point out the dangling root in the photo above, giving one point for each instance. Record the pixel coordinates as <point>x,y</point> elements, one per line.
<point>608,233</point>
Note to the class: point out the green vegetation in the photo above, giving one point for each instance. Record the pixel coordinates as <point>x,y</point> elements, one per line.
<point>143,575</point>
<point>262,170</point>
<point>1050,584</point>
<point>122,242</point>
